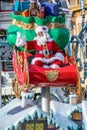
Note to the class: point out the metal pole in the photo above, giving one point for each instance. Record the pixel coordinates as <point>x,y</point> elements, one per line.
<point>46,100</point>
<point>82,4</point>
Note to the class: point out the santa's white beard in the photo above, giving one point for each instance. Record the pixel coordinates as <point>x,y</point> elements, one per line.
<point>41,40</point>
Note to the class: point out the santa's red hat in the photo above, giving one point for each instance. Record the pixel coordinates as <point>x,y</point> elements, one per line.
<point>41,29</point>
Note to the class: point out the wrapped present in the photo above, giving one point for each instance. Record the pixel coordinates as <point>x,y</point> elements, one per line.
<point>25,13</point>
<point>34,9</point>
<point>42,12</point>
<point>50,8</point>
<point>22,5</point>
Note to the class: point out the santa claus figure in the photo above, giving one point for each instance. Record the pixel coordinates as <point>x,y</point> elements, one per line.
<point>47,53</point>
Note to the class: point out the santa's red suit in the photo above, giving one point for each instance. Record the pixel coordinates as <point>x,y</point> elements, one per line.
<point>47,55</point>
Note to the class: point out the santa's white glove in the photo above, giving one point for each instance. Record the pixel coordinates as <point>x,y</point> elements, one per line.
<point>20,41</point>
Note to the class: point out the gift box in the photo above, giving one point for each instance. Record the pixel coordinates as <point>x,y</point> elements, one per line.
<point>50,8</point>
<point>23,5</point>
<point>42,12</point>
<point>25,13</point>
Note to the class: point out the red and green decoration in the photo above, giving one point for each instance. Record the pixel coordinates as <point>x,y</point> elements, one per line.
<point>26,25</point>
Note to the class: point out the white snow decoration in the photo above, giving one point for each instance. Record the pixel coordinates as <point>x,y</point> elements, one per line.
<point>39,114</point>
<point>84,111</point>
<point>59,115</point>
<point>69,113</point>
<point>49,120</point>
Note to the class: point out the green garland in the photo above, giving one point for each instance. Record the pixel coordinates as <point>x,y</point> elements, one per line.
<point>59,35</point>
<point>39,21</point>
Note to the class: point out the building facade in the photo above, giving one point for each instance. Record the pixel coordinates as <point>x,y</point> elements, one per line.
<point>5,21</point>
<point>5,10</point>
<point>78,22</point>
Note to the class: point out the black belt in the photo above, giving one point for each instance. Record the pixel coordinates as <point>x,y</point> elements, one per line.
<point>41,52</point>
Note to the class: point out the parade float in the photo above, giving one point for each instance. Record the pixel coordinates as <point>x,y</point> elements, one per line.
<point>28,75</point>
<point>23,113</point>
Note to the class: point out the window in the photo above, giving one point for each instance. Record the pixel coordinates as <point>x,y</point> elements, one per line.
<point>5,5</point>
<point>74,2</point>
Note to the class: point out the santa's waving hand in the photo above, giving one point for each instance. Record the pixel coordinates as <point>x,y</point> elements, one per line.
<point>47,52</point>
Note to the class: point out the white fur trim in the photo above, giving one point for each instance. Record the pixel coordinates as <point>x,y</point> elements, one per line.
<point>54,66</point>
<point>38,58</point>
<point>41,29</point>
<point>59,56</point>
<point>46,66</point>
<point>49,39</point>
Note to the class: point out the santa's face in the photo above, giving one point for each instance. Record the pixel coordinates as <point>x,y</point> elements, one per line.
<point>40,34</point>
<point>41,38</point>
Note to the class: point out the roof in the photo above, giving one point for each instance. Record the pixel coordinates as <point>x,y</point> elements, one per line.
<point>10,118</point>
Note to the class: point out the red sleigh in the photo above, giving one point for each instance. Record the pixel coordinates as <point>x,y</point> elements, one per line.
<point>28,75</point>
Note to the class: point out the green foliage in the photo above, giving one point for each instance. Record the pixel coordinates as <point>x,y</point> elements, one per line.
<point>59,35</point>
